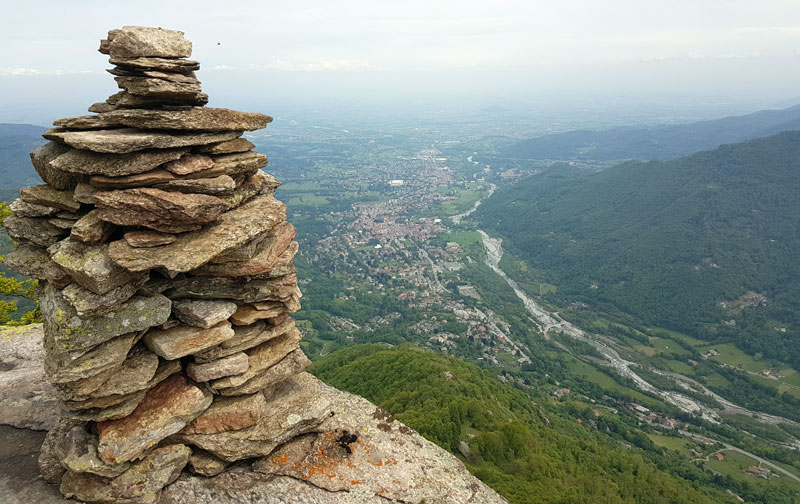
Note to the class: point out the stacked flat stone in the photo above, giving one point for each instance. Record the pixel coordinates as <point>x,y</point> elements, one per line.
<point>166,275</point>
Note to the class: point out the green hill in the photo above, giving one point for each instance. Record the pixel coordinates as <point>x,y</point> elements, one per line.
<point>691,244</point>
<point>527,452</point>
<point>657,142</point>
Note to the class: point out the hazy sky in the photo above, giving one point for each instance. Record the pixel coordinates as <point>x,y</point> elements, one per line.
<point>501,51</point>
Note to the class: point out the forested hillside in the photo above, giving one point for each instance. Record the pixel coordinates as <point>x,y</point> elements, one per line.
<point>531,452</point>
<point>657,142</point>
<point>16,143</point>
<point>705,244</point>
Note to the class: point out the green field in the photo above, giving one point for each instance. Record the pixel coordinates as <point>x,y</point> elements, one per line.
<point>667,346</point>
<point>670,442</point>
<point>734,465</point>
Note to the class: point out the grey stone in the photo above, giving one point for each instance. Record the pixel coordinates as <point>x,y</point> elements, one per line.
<point>131,375</point>
<point>34,261</point>
<point>228,414</point>
<point>65,224</point>
<point>89,304</point>
<point>190,163</point>
<point>90,265</point>
<point>260,358</point>
<point>125,100</point>
<point>141,484</point>
<point>25,209</point>
<point>86,122</point>
<point>270,248</point>
<point>193,249</point>
<point>113,165</point>
<point>42,159</point>
<point>144,41</point>
<point>33,229</point>
<point>245,338</point>
<point>274,289</point>
<point>62,366</point>
<point>203,314</point>
<point>159,89</point>
<point>46,195</point>
<point>49,460</point>
<point>77,450</point>
<point>240,163</point>
<point>84,192</point>
<point>68,333</point>
<point>127,140</point>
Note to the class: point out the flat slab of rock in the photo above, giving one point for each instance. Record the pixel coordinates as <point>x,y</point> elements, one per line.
<point>160,89</point>
<point>85,123</point>
<point>141,484</point>
<point>164,64</point>
<point>221,185</point>
<point>70,333</point>
<point>47,196</point>
<point>132,375</point>
<point>189,164</point>
<point>127,140</point>
<point>164,211</point>
<point>229,414</point>
<point>33,229</point>
<point>42,159</point>
<point>90,265</point>
<point>144,41</point>
<point>238,145</point>
<point>34,261</point>
<point>167,408</point>
<point>240,163</point>
<point>195,118</point>
<point>90,304</point>
<point>203,314</point>
<point>114,165</point>
<point>235,364</point>
<point>25,209</point>
<point>77,450</point>
<point>184,340</point>
<point>193,249</point>
<point>64,366</point>
<point>149,178</point>
<point>273,289</point>
<point>125,100</point>
<point>145,239</point>
<point>202,462</point>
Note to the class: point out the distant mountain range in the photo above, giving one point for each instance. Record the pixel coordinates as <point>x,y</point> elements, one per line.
<point>16,143</point>
<point>688,243</point>
<point>657,142</point>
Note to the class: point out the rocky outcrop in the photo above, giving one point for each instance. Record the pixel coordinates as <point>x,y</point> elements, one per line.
<point>167,284</point>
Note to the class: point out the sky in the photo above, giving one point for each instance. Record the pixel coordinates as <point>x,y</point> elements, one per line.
<point>385,54</point>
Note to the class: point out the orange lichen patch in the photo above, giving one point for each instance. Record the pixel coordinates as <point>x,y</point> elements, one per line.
<point>356,482</point>
<point>280,460</point>
<point>382,491</point>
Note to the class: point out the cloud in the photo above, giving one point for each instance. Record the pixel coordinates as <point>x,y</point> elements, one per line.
<point>340,65</point>
<point>22,72</point>
<point>223,68</point>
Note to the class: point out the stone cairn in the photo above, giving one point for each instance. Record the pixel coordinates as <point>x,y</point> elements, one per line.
<point>166,277</point>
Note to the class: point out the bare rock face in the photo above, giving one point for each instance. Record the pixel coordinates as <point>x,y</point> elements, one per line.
<point>229,414</point>
<point>232,365</point>
<point>144,41</point>
<point>90,229</point>
<point>166,409</point>
<point>47,196</point>
<point>164,64</point>
<point>34,261</point>
<point>34,230</point>
<point>42,159</point>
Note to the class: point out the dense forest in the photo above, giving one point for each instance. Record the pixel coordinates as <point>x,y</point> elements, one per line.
<point>528,448</point>
<point>706,244</point>
<point>657,142</point>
